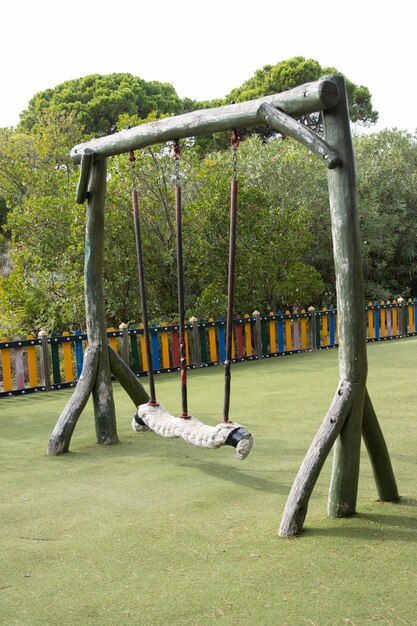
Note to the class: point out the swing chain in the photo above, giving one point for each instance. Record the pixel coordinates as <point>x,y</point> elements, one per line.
<point>132,160</point>
<point>235,141</point>
<point>177,155</point>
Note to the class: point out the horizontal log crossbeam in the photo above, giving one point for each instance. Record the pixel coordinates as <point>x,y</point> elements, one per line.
<point>308,98</point>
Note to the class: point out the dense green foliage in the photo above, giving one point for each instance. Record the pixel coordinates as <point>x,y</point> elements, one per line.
<point>296,71</point>
<point>284,255</point>
<point>97,101</point>
<point>387,186</point>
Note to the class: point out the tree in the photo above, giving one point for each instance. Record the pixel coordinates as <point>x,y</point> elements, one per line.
<point>387,187</point>
<point>43,284</point>
<point>273,236</point>
<point>98,100</point>
<point>297,71</point>
<point>284,254</point>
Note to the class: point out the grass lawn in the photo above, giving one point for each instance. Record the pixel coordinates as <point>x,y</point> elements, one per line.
<point>156,532</point>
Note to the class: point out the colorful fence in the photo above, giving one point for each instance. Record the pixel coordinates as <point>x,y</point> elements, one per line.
<point>55,362</point>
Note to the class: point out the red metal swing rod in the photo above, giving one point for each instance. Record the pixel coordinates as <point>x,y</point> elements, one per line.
<point>144,306</point>
<point>180,279</point>
<point>230,280</point>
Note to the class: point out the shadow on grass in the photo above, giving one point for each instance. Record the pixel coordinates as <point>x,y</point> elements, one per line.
<point>235,475</point>
<point>373,526</point>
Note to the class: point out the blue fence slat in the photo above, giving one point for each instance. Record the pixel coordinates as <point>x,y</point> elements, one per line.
<point>332,326</point>
<point>155,349</point>
<point>79,356</point>
<point>221,336</point>
<point>280,333</point>
<point>377,315</point>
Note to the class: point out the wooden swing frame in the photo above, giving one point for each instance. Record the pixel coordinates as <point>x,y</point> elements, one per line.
<point>351,413</point>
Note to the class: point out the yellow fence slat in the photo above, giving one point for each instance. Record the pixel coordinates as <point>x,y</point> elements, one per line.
<point>6,365</point>
<point>33,373</point>
<point>288,338</point>
<point>370,322</point>
<point>383,315</point>
<point>394,319</point>
<point>165,347</point>
<point>325,328</point>
<point>66,348</point>
<point>143,352</point>
<point>248,336</point>
<point>212,341</point>
<point>112,340</point>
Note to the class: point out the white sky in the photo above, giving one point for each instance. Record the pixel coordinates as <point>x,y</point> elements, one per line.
<point>205,49</point>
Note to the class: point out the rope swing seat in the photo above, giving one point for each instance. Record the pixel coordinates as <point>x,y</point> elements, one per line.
<point>192,430</point>
<point>152,415</point>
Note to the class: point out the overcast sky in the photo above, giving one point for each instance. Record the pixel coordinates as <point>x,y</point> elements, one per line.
<point>205,49</point>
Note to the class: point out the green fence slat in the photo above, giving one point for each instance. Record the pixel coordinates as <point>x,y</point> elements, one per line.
<point>134,353</point>
<point>203,344</point>
<point>405,320</point>
<point>318,331</point>
<point>264,336</point>
<point>56,374</point>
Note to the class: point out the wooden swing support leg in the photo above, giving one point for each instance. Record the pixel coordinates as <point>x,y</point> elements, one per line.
<point>100,361</point>
<point>351,413</point>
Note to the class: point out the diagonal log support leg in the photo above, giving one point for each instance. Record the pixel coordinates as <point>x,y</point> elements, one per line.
<point>296,508</point>
<point>61,435</point>
<point>122,372</point>
<point>378,453</point>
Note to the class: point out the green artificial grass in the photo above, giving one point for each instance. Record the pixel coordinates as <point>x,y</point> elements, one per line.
<point>156,532</point>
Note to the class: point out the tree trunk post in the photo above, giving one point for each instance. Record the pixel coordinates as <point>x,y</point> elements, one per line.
<point>312,328</point>
<point>257,334</point>
<point>195,344</point>
<point>125,351</point>
<point>104,411</point>
<point>350,295</point>
<point>44,360</point>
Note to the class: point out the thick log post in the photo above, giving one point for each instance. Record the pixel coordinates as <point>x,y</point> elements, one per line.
<point>104,411</point>
<point>350,295</point>
<point>351,415</point>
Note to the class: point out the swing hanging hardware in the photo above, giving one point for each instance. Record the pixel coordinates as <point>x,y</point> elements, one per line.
<point>153,415</point>
<point>176,153</point>
<point>234,142</point>
<point>143,299</point>
<point>180,283</point>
